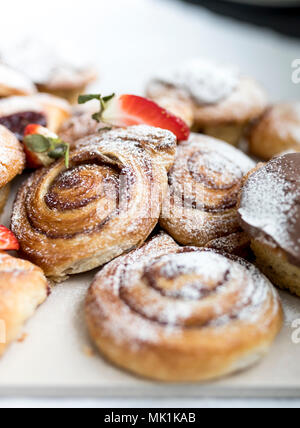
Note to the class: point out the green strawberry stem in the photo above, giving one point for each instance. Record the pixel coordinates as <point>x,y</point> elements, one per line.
<point>82,99</point>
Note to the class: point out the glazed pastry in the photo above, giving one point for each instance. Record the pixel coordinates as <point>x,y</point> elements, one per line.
<point>214,99</point>
<point>12,162</point>
<point>72,220</point>
<point>17,112</point>
<point>269,212</point>
<point>23,287</point>
<point>182,314</point>
<point>14,83</point>
<point>48,70</point>
<point>203,189</point>
<point>277,131</point>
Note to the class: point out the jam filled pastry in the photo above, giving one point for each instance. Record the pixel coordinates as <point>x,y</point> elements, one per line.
<point>212,98</point>
<point>182,314</point>
<point>23,287</point>
<point>18,112</point>
<point>204,184</point>
<point>269,211</point>
<point>14,83</point>
<point>12,162</point>
<point>71,220</point>
<point>46,67</point>
<point>277,131</point>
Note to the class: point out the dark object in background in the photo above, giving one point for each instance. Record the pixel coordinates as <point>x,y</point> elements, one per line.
<point>283,19</point>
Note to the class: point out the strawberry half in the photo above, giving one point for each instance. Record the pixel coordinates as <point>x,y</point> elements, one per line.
<point>42,147</point>
<point>128,110</point>
<point>8,241</point>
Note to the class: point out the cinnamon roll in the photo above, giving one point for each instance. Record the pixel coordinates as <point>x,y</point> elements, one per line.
<point>107,202</point>
<point>269,211</point>
<point>23,287</point>
<point>203,189</point>
<point>12,162</point>
<point>214,99</point>
<point>276,131</point>
<point>18,112</point>
<point>182,314</point>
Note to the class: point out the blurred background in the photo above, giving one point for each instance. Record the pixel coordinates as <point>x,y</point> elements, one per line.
<point>128,40</point>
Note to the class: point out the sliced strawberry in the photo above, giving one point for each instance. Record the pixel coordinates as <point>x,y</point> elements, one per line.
<point>128,110</point>
<point>8,241</point>
<point>42,147</point>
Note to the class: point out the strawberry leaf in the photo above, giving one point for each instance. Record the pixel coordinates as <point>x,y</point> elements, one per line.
<point>82,99</point>
<point>37,143</point>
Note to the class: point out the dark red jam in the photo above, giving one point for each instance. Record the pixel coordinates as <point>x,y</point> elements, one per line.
<point>17,122</point>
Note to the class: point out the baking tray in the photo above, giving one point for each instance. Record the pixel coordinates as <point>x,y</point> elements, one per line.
<point>56,358</point>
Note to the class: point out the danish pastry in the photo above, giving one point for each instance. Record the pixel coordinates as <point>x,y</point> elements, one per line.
<point>107,202</point>
<point>12,162</point>
<point>269,212</point>
<point>17,112</point>
<point>14,83</point>
<point>23,287</point>
<point>277,131</point>
<point>213,99</point>
<point>182,314</point>
<point>204,184</point>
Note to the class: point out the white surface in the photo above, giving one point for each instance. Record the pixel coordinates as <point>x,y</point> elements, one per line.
<point>129,40</point>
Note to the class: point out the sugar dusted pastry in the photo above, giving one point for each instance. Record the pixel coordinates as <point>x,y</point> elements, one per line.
<point>269,211</point>
<point>213,98</point>
<point>23,287</point>
<point>182,314</point>
<point>17,112</point>
<point>12,162</point>
<point>204,184</point>
<point>108,201</point>
<point>49,70</point>
<point>277,131</point>
<point>13,82</point>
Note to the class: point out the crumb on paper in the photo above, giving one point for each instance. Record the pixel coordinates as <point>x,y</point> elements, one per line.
<point>23,338</point>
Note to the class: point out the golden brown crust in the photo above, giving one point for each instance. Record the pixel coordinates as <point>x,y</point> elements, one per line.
<point>203,188</point>
<point>12,158</point>
<point>56,110</point>
<point>23,287</point>
<point>225,120</point>
<point>277,131</point>
<point>106,203</point>
<point>181,314</point>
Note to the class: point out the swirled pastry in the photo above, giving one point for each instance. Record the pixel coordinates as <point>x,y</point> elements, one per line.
<point>12,162</point>
<point>204,184</point>
<point>269,210</point>
<point>212,98</point>
<point>23,287</point>
<point>276,131</point>
<point>107,202</point>
<point>182,314</point>
<point>14,83</point>
<point>17,112</point>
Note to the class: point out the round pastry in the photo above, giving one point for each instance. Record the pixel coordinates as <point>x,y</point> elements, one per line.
<point>12,162</point>
<point>277,131</point>
<point>204,184</point>
<point>182,314</point>
<point>215,99</point>
<point>49,70</point>
<point>269,210</point>
<point>107,202</point>
<point>14,83</point>
<point>17,112</point>
<point>23,287</point>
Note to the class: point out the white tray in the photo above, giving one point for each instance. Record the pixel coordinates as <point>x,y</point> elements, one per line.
<point>53,358</point>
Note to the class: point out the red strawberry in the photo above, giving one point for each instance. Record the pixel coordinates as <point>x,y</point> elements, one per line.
<point>128,110</point>
<point>43,147</point>
<point>8,241</point>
